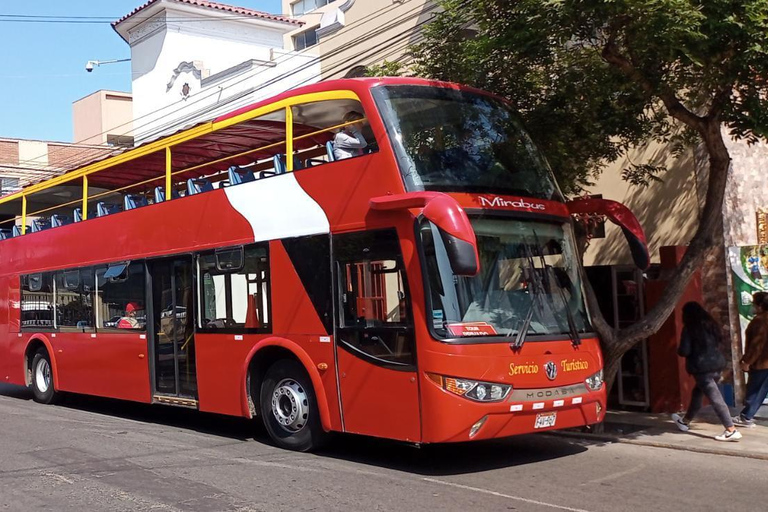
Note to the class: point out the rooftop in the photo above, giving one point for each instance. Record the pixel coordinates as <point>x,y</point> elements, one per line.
<point>215,6</point>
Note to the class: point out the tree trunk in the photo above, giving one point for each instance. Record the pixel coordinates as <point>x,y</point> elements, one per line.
<point>616,343</point>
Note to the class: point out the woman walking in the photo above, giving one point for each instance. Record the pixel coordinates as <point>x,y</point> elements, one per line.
<point>700,346</point>
<point>755,361</point>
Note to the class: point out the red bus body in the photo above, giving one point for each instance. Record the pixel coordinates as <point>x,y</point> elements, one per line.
<point>353,394</point>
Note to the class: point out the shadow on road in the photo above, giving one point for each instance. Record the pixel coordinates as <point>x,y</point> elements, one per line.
<point>454,458</point>
<point>432,460</point>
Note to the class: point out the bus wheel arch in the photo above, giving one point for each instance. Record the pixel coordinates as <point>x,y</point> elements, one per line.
<point>262,357</point>
<point>40,370</point>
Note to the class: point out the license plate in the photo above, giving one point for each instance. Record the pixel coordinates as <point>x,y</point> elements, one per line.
<point>546,419</point>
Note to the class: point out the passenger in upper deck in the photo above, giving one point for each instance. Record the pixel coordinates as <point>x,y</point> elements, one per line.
<point>349,141</point>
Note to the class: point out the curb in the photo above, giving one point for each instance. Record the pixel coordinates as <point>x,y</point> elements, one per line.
<point>615,439</point>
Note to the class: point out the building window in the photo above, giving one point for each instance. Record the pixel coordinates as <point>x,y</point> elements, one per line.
<point>305,6</point>
<point>9,185</point>
<point>305,39</point>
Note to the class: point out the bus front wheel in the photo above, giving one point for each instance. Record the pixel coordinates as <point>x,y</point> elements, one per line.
<point>289,407</point>
<point>42,378</point>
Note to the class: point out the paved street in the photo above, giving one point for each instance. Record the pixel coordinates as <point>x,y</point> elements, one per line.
<point>93,454</point>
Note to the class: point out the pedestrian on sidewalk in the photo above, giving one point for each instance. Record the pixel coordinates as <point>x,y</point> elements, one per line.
<point>755,361</point>
<point>700,346</point>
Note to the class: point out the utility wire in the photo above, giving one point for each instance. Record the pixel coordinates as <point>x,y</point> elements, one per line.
<point>186,103</point>
<point>76,161</point>
<point>374,15</point>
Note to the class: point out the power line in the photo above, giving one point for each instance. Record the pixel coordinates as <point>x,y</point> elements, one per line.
<point>106,20</point>
<point>75,161</point>
<point>341,49</point>
<point>370,17</point>
<point>185,103</point>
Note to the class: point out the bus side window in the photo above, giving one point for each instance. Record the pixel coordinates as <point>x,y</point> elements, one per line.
<point>331,130</point>
<point>119,300</point>
<point>373,302</point>
<point>235,297</point>
<point>74,299</point>
<point>37,301</point>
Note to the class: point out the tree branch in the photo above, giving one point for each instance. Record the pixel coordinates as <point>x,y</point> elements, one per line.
<point>676,109</point>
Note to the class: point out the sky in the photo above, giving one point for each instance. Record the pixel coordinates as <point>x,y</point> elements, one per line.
<point>42,65</point>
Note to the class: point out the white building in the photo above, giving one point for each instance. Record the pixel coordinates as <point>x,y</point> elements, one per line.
<point>192,60</point>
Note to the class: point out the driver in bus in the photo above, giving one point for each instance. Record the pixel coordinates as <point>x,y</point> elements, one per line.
<point>129,321</point>
<point>349,141</point>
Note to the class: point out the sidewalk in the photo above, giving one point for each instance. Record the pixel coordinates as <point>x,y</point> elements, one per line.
<point>658,430</point>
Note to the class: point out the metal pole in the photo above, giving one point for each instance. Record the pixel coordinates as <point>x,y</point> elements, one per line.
<point>23,215</point>
<point>85,198</point>
<point>168,195</point>
<point>288,139</point>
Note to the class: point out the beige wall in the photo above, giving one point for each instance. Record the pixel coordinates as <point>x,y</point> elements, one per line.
<point>372,31</point>
<point>668,211</point>
<point>101,116</point>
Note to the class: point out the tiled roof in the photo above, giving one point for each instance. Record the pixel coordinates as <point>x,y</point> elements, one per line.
<point>215,5</point>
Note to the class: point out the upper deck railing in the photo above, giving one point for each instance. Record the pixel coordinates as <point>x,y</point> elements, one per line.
<point>237,148</point>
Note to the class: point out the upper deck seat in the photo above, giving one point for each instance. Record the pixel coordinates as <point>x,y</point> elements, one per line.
<point>132,201</point>
<point>77,214</point>
<point>238,175</point>
<point>196,186</point>
<point>40,224</point>
<point>6,234</point>
<point>60,220</point>
<point>103,209</point>
<point>16,231</point>
<point>279,161</point>
<point>160,194</point>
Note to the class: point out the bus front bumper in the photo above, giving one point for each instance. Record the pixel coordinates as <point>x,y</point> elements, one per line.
<point>457,419</point>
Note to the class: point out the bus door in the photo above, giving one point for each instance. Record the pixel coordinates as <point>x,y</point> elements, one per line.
<point>172,330</point>
<point>374,336</point>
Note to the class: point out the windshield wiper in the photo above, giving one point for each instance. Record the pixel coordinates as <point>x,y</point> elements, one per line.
<point>536,298</point>
<point>573,331</point>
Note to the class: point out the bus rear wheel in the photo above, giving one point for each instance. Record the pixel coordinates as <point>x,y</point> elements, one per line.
<point>42,378</point>
<point>289,408</point>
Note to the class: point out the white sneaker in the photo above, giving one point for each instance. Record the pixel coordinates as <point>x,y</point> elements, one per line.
<point>733,435</point>
<point>681,424</point>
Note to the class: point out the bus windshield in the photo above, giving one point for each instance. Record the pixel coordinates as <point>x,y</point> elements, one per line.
<point>528,282</point>
<point>453,140</point>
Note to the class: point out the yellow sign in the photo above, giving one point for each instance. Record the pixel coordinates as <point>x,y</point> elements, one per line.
<point>574,365</point>
<point>762,226</point>
<point>523,369</point>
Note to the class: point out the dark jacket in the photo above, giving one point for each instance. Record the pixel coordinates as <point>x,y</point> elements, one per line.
<point>756,346</point>
<point>702,353</point>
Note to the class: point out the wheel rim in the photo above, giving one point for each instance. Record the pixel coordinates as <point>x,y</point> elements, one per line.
<point>43,375</point>
<point>290,405</point>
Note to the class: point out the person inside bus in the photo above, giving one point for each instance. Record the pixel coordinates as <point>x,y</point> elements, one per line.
<point>129,321</point>
<point>349,141</point>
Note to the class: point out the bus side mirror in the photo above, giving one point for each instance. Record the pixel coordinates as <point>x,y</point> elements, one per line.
<point>451,220</point>
<point>622,217</point>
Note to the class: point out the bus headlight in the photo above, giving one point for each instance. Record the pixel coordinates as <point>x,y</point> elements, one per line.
<point>595,382</point>
<point>473,389</point>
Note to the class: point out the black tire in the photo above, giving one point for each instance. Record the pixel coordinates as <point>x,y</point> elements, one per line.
<point>42,379</point>
<point>288,384</point>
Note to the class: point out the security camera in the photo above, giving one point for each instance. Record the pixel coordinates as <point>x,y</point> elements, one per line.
<point>89,66</point>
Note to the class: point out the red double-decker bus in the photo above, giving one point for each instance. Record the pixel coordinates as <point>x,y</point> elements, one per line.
<point>408,271</point>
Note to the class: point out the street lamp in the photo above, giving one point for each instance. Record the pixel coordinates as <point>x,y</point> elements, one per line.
<point>94,63</point>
